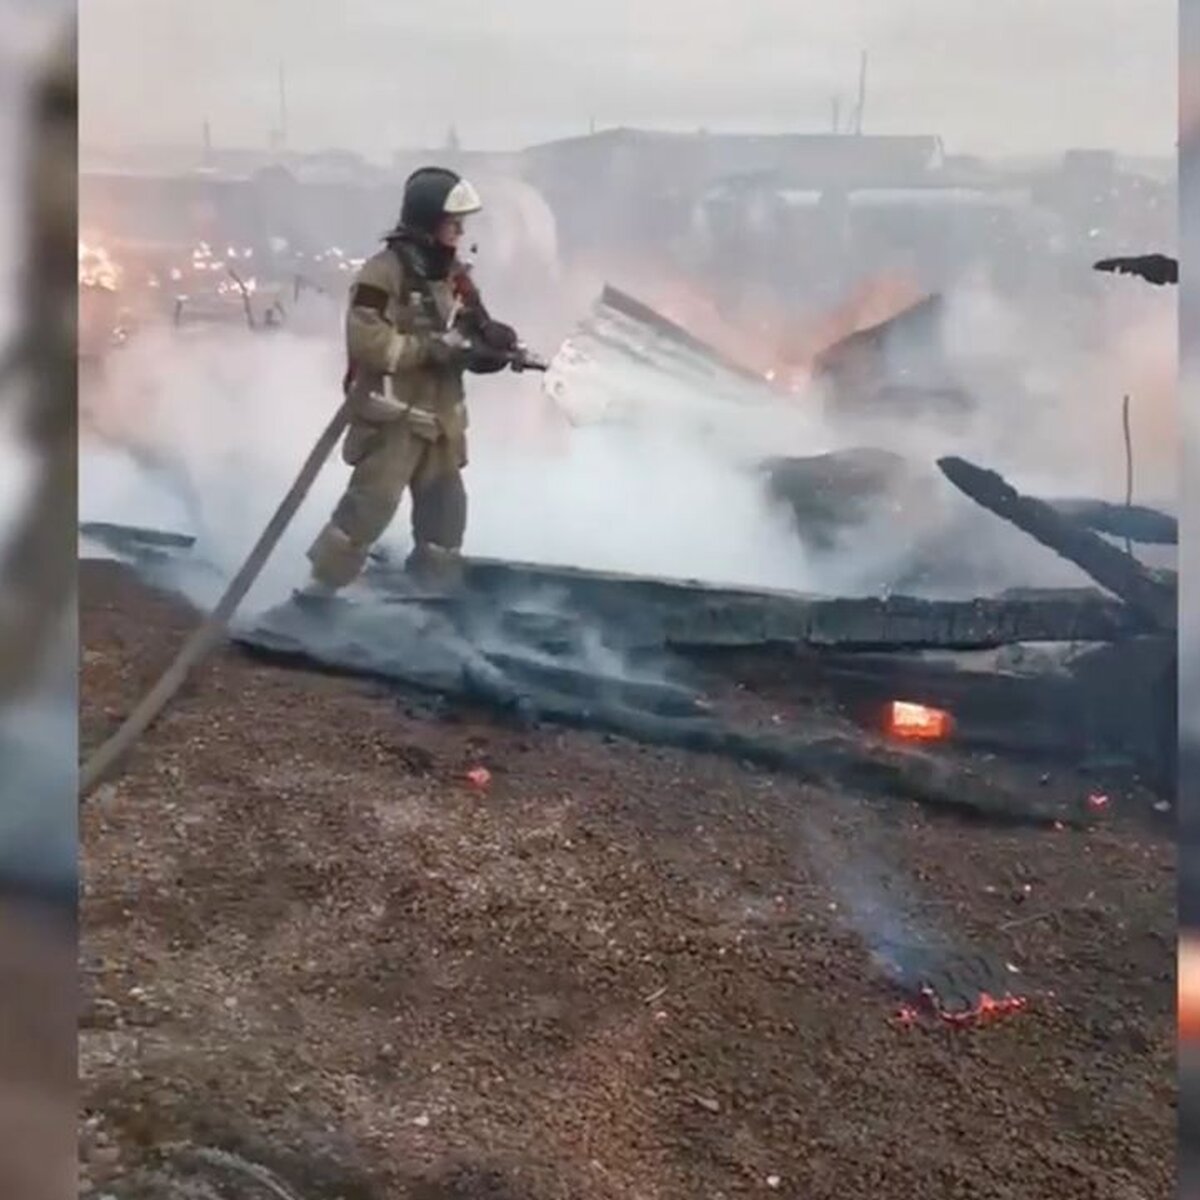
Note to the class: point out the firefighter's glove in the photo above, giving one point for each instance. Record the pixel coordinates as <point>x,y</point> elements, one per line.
<point>494,347</point>
<point>450,349</point>
<point>498,336</point>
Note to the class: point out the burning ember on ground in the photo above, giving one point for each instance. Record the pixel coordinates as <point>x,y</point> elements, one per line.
<point>961,990</point>
<point>985,1010</point>
<point>917,722</point>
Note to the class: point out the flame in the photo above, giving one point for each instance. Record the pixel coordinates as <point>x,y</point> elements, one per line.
<point>917,722</point>
<point>780,347</point>
<point>987,1008</point>
<point>96,268</point>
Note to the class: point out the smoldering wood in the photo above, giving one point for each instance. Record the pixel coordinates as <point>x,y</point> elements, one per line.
<point>431,656</point>
<point>830,493</point>
<point>642,613</point>
<point>521,640</point>
<point>1147,593</point>
<point>837,490</point>
<point>1105,706</point>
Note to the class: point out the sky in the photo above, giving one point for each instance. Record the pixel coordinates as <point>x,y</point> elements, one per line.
<point>999,78</point>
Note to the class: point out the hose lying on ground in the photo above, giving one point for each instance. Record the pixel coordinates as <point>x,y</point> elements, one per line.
<point>204,638</point>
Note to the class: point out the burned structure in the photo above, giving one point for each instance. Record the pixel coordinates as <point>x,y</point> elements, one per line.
<point>897,367</point>
<point>261,224</point>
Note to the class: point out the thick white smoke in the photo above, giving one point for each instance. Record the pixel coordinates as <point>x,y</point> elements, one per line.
<point>659,478</point>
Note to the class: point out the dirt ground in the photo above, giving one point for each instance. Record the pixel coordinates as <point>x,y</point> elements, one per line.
<point>614,972</point>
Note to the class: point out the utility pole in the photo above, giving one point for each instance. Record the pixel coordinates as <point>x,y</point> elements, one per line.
<point>283,112</point>
<point>862,93</point>
<point>836,110</point>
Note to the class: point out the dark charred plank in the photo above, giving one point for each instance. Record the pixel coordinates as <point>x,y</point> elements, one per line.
<point>1150,596</point>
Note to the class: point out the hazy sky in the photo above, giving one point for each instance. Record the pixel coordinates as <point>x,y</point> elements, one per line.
<point>1004,76</point>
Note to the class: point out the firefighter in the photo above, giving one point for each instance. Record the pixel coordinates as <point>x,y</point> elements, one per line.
<point>415,323</point>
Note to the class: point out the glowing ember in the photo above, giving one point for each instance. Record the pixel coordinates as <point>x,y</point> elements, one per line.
<point>986,1008</point>
<point>960,988</point>
<point>1097,800</point>
<point>917,722</point>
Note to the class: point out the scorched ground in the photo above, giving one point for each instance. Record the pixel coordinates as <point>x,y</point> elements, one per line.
<point>312,940</point>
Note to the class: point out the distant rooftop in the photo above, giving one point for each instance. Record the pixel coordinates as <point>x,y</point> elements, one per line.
<point>818,156</point>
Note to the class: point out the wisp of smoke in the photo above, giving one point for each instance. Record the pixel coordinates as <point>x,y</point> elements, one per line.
<point>874,900</point>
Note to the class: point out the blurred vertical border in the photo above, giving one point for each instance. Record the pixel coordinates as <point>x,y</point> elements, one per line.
<point>1189,661</point>
<point>38,634</point>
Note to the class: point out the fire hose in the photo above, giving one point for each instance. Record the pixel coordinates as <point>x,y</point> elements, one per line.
<point>208,634</point>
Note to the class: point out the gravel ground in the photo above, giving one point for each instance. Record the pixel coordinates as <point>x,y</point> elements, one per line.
<point>311,942</point>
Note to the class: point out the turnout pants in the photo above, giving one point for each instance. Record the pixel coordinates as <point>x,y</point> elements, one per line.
<point>386,460</point>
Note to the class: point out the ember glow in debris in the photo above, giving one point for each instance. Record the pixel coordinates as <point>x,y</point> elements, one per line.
<point>985,1009</point>
<point>917,722</point>
<point>960,989</point>
<point>1097,800</point>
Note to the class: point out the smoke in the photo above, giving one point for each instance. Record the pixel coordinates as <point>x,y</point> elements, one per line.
<point>638,455</point>
<point>226,419</point>
<point>659,473</point>
<point>875,900</point>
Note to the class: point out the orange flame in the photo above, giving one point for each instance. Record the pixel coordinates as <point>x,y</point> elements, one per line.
<point>760,335</point>
<point>916,722</point>
<point>987,1008</point>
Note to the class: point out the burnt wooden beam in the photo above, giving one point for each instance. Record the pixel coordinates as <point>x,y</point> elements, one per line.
<point>1155,600</point>
<point>1138,523</point>
<point>434,657</point>
<point>641,612</point>
<point>1158,269</point>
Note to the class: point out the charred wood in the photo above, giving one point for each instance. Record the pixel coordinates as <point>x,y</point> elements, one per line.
<point>645,613</point>
<point>1154,599</point>
<point>1158,269</point>
<point>431,658</point>
<point>1146,526</point>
